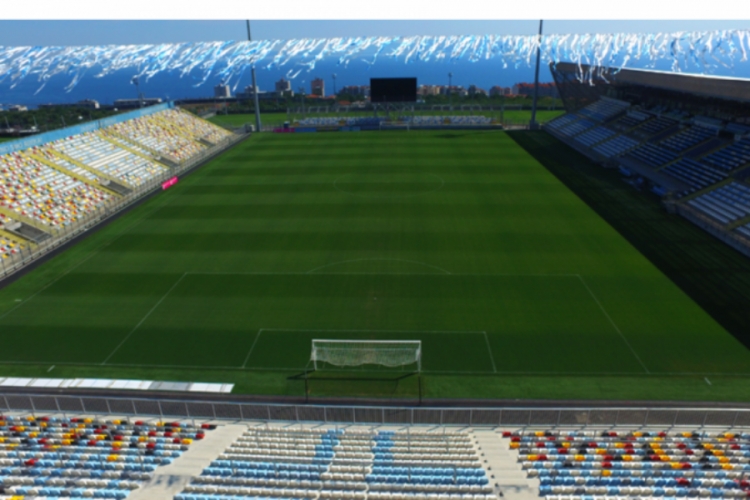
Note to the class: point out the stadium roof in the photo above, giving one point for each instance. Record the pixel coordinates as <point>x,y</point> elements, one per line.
<point>736,89</point>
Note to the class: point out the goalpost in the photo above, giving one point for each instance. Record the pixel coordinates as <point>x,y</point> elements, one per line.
<point>350,353</point>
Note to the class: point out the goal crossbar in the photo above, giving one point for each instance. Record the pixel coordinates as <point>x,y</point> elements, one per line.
<point>390,353</point>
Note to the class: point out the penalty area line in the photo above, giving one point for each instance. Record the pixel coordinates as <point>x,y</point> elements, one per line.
<point>144,318</point>
<point>612,322</point>
<point>489,350</point>
<point>247,358</point>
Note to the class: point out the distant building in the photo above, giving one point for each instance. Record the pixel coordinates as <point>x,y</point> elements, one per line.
<point>86,103</point>
<point>497,90</point>
<point>428,90</point>
<point>18,107</point>
<point>545,89</point>
<point>222,90</point>
<point>249,94</point>
<point>318,87</point>
<point>283,86</point>
<point>136,103</point>
<point>453,90</point>
<point>474,90</point>
<point>362,91</point>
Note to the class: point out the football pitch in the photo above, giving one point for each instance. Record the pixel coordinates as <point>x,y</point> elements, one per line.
<point>516,288</point>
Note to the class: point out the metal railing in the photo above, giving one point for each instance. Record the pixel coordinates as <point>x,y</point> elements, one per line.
<point>373,415</point>
<point>60,236</point>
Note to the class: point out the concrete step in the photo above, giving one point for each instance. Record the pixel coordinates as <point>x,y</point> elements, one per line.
<point>503,468</point>
<point>172,479</point>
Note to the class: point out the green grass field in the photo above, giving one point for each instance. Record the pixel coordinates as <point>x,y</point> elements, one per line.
<point>516,287</point>
<point>513,116</point>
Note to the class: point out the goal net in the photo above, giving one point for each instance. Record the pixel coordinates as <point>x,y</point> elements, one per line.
<point>346,353</point>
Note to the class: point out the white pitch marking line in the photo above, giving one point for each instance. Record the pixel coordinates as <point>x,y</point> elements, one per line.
<point>437,372</point>
<point>489,349</point>
<point>379,259</point>
<point>367,331</point>
<point>707,381</point>
<point>611,321</point>
<point>145,317</point>
<point>51,368</point>
<point>252,347</point>
<point>445,273</point>
<point>74,266</point>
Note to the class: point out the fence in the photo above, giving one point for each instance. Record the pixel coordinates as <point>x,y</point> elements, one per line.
<point>299,413</point>
<point>61,236</point>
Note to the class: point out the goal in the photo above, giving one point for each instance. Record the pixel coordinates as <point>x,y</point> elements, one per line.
<point>349,353</point>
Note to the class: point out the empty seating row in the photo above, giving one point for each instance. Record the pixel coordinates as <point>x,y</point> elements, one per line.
<point>562,121</point>
<point>9,245</point>
<point>630,120</point>
<point>652,155</point>
<point>652,127</point>
<point>341,121</point>
<point>731,157</point>
<point>604,109</point>
<point>159,135</point>
<point>102,155</point>
<point>195,127</point>
<point>687,138</point>
<point>726,203</point>
<point>595,135</point>
<point>744,230</point>
<point>352,463</point>
<point>639,464</point>
<point>577,127</point>
<point>44,194</point>
<point>616,146</point>
<point>84,457</point>
<point>693,173</point>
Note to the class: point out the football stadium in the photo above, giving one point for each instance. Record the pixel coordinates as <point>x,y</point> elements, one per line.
<point>397,303</point>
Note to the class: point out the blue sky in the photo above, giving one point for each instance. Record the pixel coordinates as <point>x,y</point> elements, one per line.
<point>482,73</point>
<point>23,33</point>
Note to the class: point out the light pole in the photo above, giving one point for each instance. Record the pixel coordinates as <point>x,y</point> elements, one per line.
<point>450,93</point>
<point>302,98</point>
<point>334,92</point>
<point>255,86</point>
<point>138,89</point>
<point>533,125</point>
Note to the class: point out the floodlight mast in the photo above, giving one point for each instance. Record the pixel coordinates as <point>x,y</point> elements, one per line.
<point>450,92</point>
<point>533,125</point>
<point>255,86</point>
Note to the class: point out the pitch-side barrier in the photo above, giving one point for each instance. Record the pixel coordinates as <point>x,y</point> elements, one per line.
<point>509,417</point>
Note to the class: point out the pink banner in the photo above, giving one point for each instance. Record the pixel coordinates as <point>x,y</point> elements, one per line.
<point>168,184</point>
